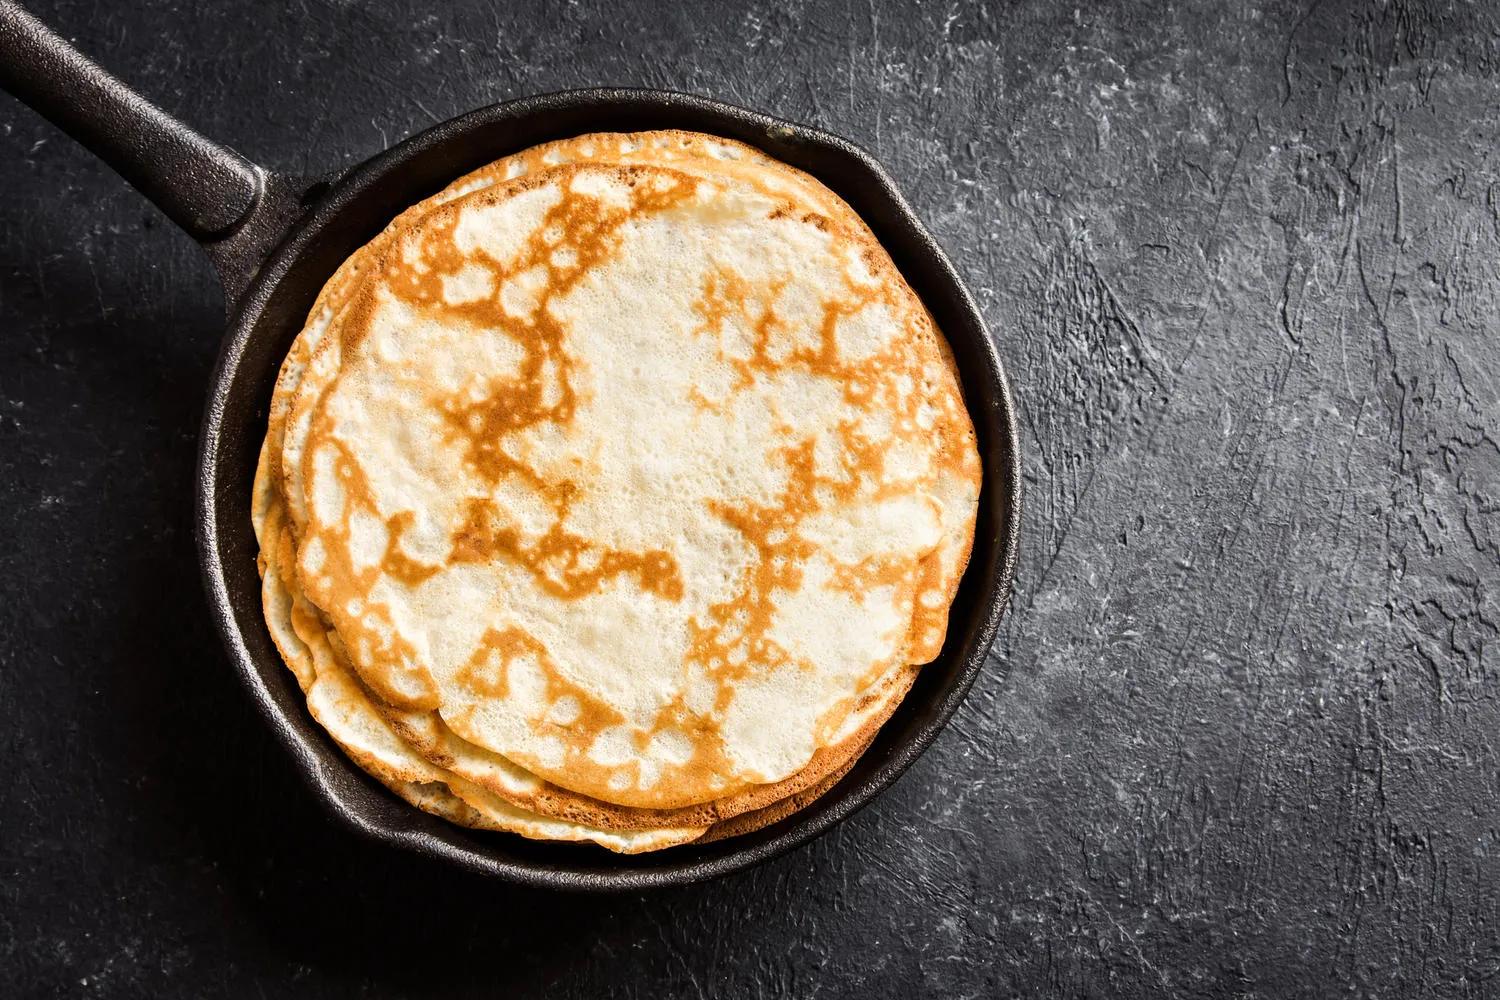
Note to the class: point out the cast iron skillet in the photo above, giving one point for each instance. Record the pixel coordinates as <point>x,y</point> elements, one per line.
<point>275,240</point>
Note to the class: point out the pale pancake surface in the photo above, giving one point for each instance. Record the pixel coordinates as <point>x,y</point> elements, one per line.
<point>628,463</point>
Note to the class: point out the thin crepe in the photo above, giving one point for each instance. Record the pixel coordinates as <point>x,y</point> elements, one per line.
<point>317,361</point>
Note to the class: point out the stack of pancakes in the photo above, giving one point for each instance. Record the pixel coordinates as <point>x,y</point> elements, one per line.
<point>615,494</point>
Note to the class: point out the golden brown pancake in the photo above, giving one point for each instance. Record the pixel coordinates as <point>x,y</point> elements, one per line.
<point>625,481</point>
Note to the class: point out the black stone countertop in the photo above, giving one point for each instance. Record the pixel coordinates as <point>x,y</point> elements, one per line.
<point>1239,738</point>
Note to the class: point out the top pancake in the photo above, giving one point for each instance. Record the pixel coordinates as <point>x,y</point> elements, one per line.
<point>636,469</point>
<point>479,777</point>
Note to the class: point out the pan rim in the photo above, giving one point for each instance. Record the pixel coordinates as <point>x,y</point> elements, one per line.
<point>323,767</point>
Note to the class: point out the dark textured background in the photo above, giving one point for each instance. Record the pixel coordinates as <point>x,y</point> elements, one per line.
<point>1243,261</point>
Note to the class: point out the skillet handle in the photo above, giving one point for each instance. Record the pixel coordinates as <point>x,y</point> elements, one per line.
<point>231,206</point>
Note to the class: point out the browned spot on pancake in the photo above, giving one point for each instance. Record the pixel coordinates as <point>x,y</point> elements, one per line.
<point>732,638</point>
<point>870,573</point>
<point>563,564</point>
<point>488,671</point>
<point>727,295</point>
<point>396,562</point>
<point>700,402</point>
